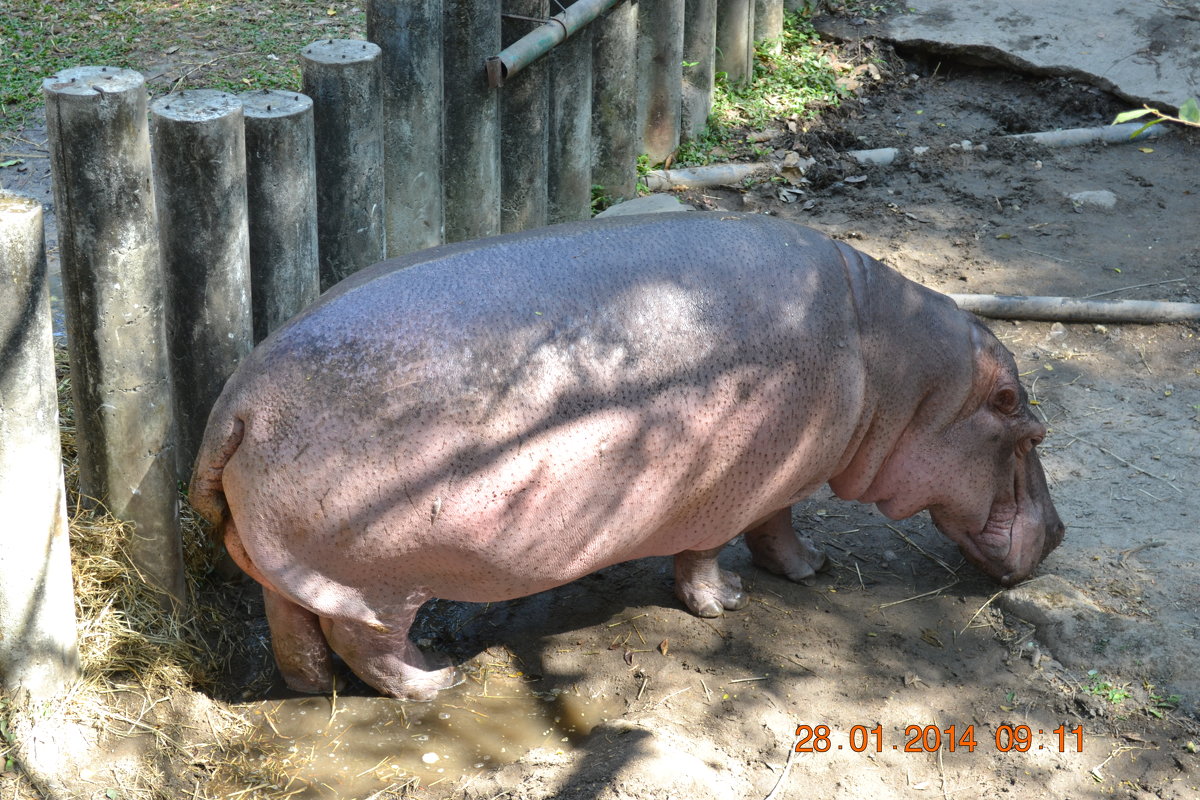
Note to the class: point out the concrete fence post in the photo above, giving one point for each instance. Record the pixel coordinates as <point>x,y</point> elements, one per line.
<point>200,192</point>
<point>735,40</point>
<point>524,135</point>
<point>660,75</point>
<point>38,647</point>
<point>616,136</point>
<point>768,23</point>
<point>699,64</point>
<point>471,137</point>
<point>409,34</point>
<point>113,286</point>
<point>570,145</point>
<point>281,195</point>
<point>344,78</point>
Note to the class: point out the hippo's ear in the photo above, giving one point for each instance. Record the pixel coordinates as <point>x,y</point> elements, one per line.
<point>1006,400</point>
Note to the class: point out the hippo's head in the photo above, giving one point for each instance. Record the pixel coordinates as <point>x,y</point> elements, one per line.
<point>978,473</point>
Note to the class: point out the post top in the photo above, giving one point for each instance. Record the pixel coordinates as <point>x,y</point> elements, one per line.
<point>270,103</point>
<point>92,80</point>
<point>196,105</point>
<point>341,51</point>
<point>15,205</point>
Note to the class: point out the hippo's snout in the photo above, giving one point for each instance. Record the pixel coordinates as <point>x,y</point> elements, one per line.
<point>1038,528</point>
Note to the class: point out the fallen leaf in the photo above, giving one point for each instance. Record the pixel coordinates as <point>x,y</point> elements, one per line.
<point>1146,149</point>
<point>663,647</point>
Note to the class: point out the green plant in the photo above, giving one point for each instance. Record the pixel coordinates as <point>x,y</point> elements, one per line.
<point>1158,703</point>
<point>1189,114</point>
<point>643,168</point>
<point>1103,688</point>
<point>600,199</point>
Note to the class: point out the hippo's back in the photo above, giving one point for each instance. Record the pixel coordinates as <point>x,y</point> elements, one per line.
<point>590,382</point>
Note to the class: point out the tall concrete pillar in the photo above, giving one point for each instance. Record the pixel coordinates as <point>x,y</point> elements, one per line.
<point>735,40</point>
<point>344,78</point>
<point>616,132</point>
<point>768,23</point>
<point>660,75</point>
<point>524,134</point>
<point>281,195</point>
<point>570,174</point>
<point>699,59</point>
<point>38,647</point>
<point>409,33</point>
<point>200,192</point>
<point>471,137</point>
<point>113,286</point>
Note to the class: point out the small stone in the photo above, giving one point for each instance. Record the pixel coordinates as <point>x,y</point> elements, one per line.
<point>1099,198</point>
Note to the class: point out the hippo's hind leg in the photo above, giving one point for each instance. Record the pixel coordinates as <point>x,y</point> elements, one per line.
<point>776,548</point>
<point>296,639</point>
<point>383,655</point>
<point>299,645</point>
<point>704,587</point>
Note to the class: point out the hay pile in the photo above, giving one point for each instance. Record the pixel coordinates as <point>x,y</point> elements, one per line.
<point>143,707</point>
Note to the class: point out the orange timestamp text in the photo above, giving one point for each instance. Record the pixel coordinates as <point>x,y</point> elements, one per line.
<point>931,738</point>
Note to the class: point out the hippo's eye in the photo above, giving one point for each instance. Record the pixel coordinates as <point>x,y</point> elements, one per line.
<point>1005,400</point>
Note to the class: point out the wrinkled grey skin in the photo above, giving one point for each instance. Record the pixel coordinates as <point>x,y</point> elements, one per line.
<point>487,420</point>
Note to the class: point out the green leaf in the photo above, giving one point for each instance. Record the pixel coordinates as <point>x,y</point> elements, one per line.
<point>12,162</point>
<point>1126,116</point>
<point>1190,111</point>
<point>1142,129</point>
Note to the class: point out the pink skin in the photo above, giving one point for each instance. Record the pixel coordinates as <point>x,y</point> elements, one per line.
<point>649,386</point>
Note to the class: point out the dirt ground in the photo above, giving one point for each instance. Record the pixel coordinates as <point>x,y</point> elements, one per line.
<point>1081,683</point>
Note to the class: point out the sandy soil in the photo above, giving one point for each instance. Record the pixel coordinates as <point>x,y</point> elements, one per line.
<point>607,688</point>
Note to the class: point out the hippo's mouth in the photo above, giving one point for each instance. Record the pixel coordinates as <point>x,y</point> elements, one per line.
<point>993,547</point>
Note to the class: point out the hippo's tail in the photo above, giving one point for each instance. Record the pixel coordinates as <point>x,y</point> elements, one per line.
<point>221,440</point>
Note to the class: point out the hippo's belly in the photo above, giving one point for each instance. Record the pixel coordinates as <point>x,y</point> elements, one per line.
<point>503,507</point>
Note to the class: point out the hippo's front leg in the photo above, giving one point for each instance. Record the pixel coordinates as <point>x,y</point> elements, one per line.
<point>776,548</point>
<point>704,587</point>
<point>384,656</point>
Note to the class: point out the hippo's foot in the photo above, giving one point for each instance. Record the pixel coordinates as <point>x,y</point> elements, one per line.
<point>299,645</point>
<point>386,658</point>
<point>776,548</point>
<point>705,588</point>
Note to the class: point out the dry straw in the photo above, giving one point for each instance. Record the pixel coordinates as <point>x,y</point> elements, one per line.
<point>146,675</point>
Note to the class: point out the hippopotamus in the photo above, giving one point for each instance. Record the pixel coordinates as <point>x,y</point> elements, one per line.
<point>485,420</point>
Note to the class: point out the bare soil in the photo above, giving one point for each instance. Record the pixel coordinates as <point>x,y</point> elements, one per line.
<point>607,688</point>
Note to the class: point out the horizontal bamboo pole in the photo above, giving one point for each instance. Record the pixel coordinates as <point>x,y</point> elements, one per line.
<point>1068,309</point>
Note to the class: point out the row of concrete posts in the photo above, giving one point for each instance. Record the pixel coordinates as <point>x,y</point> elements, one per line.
<point>177,258</point>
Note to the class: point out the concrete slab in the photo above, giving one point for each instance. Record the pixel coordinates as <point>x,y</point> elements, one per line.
<point>647,204</point>
<point>1144,52</point>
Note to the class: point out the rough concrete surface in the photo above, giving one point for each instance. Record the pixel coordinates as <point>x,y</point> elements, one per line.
<point>1145,52</point>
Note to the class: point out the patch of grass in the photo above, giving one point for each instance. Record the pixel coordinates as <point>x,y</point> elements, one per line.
<point>1102,688</point>
<point>177,44</point>
<point>1159,704</point>
<point>798,82</point>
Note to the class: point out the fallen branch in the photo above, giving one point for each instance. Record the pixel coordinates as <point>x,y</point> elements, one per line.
<point>1068,309</point>
<point>731,174</point>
